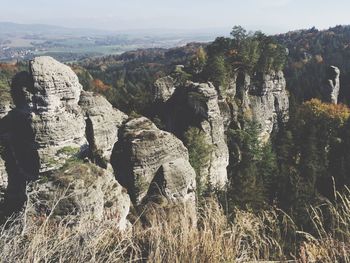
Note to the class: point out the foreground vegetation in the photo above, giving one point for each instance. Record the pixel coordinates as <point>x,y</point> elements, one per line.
<point>268,235</point>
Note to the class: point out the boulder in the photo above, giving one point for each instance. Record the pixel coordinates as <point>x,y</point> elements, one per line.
<point>79,191</point>
<point>149,162</point>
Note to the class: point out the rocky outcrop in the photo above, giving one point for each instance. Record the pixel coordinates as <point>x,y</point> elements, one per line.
<point>3,178</point>
<point>332,87</point>
<point>47,122</point>
<point>82,190</point>
<point>262,98</point>
<point>164,88</point>
<point>197,105</point>
<point>102,122</point>
<point>150,162</point>
<point>52,122</point>
<point>5,108</point>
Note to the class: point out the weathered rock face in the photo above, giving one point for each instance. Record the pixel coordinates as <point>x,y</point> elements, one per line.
<point>149,161</point>
<point>53,121</point>
<point>164,88</point>
<point>263,98</point>
<point>197,105</point>
<point>102,122</point>
<point>87,190</point>
<point>332,86</point>
<point>47,120</point>
<point>270,107</point>
<point>4,109</point>
<point>202,109</point>
<point>3,178</point>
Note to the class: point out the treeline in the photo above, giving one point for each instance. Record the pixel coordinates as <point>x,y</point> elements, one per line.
<point>311,52</point>
<point>251,52</point>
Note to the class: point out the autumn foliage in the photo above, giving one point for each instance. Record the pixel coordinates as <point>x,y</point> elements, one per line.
<point>336,114</point>
<point>99,85</point>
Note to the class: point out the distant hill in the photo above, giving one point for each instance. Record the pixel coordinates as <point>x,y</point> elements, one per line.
<point>10,28</point>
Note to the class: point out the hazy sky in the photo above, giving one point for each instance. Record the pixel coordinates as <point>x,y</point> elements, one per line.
<point>275,15</point>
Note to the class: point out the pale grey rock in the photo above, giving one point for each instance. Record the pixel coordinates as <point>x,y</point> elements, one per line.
<point>3,178</point>
<point>271,105</point>
<point>47,121</point>
<point>202,98</point>
<point>81,191</point>
<point>199,105</point>
<point>164,88</point>
<point>55,85</point>
<point>176,181</point>
<point>147,159</point>
<point>5,108</point>
<point>103,122</point>
<point>263,98</point>
<point>332,87</point>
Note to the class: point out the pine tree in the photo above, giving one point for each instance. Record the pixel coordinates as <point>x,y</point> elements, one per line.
<point>247,189</point>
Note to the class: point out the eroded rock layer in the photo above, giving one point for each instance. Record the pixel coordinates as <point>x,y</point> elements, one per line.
<point>262,98</point>
<point>53,123</point>
<point>149,161</point>
<point>47,123</point>
<point>83,190</point>
<point>102,122</point>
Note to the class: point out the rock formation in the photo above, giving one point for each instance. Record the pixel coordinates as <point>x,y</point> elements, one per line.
<point>3,178</point>
<point>332,87</point>
<point>4,110</point>
<point>262,98</point>
<point>102,122</point>
<point>164,88</point>
<point>149,162</point>
<point>80,189</point>
<point>54,121</point>
<point>47,121</point>
<point>196,105</point>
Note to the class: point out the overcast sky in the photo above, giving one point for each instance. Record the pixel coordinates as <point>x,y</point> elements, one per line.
<point>268,15</point>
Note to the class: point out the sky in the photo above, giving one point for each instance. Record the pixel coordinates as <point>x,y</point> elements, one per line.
<point>275,16</point>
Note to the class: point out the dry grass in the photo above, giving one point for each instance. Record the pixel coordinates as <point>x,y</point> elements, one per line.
<point>173,237</point>
<point>331,241</point>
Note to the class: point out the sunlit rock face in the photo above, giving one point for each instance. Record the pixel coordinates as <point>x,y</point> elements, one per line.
<point>86,191</point>
<point>150,162</point>
<point>102,122</point>
<point>53,122</point>
<point>262,98</point>
<point>331,88</point>
<point>47,117</point>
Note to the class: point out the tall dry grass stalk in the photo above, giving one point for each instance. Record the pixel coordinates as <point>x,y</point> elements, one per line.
<point>168,236</point>
<point>330,241</point>
<point>171,236</point>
